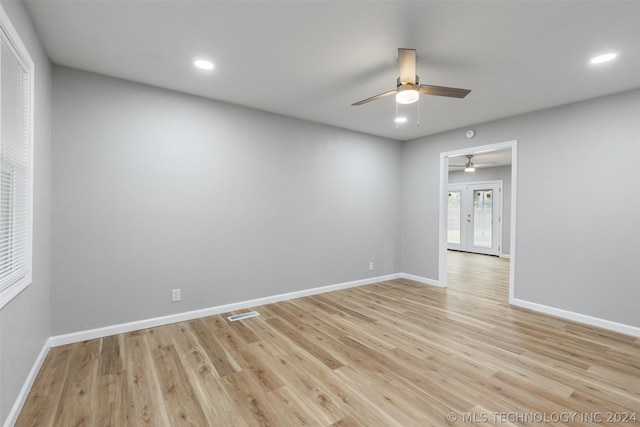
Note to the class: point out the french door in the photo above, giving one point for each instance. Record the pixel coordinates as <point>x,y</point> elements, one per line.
<point>474,215</point>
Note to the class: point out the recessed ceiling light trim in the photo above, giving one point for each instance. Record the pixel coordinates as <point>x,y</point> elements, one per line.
<point>203,64</point>
<point>603,58</point>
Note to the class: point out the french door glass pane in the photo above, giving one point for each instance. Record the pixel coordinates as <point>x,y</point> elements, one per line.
<point>453,222</point>
<point>482,217</point>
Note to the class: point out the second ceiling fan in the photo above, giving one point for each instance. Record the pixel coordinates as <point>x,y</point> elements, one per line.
<point>408,88</point>
<point>469,166</point>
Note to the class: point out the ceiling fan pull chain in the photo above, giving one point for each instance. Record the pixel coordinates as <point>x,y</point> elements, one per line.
<point>418,119</point>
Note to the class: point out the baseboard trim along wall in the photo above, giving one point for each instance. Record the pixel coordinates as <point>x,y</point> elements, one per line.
<point>12,418</point>
<point>74,337</point>
<point>422,280</point>
<point>580,318</point>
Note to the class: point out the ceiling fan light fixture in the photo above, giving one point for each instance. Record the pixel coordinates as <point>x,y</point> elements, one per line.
<point>469,166</point>
<point>407,96</point>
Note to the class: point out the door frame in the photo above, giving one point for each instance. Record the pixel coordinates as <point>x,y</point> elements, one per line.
<point>498,212</point>
<point>443,204</point>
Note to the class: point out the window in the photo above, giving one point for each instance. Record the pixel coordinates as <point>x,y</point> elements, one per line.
<point>16,182</point>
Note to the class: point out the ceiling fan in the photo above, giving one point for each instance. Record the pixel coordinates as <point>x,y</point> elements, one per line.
<point>469,166</point>
<point>408,89</point>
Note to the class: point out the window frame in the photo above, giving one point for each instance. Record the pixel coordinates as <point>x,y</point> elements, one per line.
<point>19,51</point>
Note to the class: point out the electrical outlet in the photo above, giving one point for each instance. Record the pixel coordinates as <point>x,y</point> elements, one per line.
<point>371,266</point>
<point>175,295</point>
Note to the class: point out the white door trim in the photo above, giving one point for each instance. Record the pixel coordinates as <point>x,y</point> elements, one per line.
<point>444,187</point>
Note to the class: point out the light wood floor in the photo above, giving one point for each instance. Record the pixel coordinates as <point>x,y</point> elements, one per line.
<point>392,353</point>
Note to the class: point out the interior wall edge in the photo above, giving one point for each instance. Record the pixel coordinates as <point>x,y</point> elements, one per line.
<point>279,196</point>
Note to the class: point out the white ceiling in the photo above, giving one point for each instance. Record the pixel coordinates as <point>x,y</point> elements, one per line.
<point>313,59</point>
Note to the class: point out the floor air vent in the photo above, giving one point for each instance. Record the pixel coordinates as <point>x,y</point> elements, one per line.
<point>243,316</point>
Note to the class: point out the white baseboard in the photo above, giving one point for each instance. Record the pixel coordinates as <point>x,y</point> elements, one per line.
<point>74,337</point>
<point>507,256</point>
<point>71,338</point>
<point>422,280</point>
<point>12,418</point>
<point>581,318</point>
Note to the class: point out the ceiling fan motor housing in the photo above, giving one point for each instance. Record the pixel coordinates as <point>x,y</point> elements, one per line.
<point>408,85</point>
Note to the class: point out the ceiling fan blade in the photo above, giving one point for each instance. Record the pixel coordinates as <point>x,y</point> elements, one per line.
<point>451,92</point>
<point>373,98</point>
<point>476,165</point>
<point>407,60</point>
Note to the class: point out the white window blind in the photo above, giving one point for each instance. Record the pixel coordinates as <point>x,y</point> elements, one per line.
<point>15,164</point>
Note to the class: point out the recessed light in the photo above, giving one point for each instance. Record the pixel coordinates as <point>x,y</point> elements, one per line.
<point>603,58</point>
<point>400,120</point>
<point>203,64</point>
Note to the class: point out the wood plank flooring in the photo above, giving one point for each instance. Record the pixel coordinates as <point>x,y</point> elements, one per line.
<point>395,353</point>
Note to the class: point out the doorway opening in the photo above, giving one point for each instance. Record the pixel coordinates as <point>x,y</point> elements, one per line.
<point>478,219</point>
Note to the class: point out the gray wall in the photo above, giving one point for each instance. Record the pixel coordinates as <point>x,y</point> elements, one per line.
<point>155,190</point>
<point>577,247</point>
<point>502,173</point>
<point>24,322</point>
